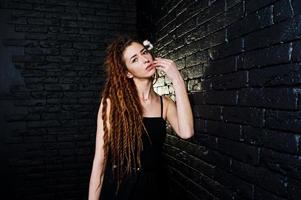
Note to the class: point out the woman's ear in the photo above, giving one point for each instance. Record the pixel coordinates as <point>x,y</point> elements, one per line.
<point>129,75</point>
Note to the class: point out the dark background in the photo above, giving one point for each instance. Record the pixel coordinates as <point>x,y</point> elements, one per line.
<point>241,63</point>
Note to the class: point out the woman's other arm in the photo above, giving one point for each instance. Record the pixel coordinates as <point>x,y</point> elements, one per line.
<point>96,179</point>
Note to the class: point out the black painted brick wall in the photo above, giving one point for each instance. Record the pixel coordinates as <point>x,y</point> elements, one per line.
<point>241,63</point>
<point>51,76</point>
<point>240,60</point>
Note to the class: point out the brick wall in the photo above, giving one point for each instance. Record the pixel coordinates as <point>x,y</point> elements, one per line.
<point>241,63</point>
<point>51,76</point>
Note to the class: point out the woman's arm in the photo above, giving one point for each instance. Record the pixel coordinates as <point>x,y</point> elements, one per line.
<point>96,178</point>
<point>178,114</point>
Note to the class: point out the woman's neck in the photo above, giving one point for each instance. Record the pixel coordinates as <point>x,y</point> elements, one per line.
<point>145,89</point>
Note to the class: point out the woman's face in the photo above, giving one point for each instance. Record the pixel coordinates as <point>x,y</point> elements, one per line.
<point>139,61</point>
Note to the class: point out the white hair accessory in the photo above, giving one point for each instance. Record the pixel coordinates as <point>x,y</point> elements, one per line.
<point>148,45</point>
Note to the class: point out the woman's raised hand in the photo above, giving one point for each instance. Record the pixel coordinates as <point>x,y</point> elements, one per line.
<point>169,67</point>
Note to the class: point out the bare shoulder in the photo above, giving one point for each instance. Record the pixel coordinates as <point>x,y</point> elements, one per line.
<point>108,108</point>
<point>108,102</point>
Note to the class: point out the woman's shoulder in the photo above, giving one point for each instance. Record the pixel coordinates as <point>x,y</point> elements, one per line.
<point>108,105</point>
<point>108,101</point>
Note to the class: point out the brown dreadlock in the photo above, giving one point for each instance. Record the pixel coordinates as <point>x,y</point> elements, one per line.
<point>124,141</point>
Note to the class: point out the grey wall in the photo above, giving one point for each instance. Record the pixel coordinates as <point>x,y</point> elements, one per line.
<point>241,62</point>
<point>51,77</point>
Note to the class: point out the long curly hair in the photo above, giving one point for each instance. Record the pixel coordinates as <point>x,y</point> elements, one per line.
<point>124,140</point>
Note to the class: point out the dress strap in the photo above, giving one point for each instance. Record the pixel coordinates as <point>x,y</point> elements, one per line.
<point>161,106</point>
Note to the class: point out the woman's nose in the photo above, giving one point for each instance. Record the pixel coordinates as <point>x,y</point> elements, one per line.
<point>145,58</point>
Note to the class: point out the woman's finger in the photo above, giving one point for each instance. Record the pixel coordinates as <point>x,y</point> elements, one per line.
<point>162,63</point>
<point>160,68</point>
<point>163,60</point>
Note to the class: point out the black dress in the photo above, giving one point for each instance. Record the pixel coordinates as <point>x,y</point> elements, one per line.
<point>148,182</point>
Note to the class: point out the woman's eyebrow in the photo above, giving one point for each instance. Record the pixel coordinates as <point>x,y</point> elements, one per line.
<point>140,52</point>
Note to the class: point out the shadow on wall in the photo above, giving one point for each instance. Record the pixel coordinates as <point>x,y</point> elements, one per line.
<point>9,77</point>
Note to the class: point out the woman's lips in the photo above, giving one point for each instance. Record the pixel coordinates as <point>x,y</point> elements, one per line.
<point>150,67</point>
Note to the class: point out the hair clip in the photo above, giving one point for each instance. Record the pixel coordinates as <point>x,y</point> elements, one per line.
<point>148,45</point>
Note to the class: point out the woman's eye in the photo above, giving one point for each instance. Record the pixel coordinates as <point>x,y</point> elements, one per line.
<point>145,52</point>
<point>134,60</point>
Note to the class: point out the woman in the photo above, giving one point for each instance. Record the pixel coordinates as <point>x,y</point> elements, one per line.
<point>131,124</point>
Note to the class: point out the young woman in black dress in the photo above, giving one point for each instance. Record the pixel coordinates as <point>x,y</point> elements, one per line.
<point>131,124</point>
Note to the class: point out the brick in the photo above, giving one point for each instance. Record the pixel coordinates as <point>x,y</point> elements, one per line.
<point>294,188</point>
<point>197,98</point>
<point>214,39</point>
<point>283,120</point>
<point>220,67</point>
<point>221,97</point>
<point>48,8</point>
<point>285,164</point>
<point>15,42</point>
<point>264,57</point>
<point>250,23</point>
<point>197,34</point>
<point>27,13</point>
<point>254,5</point>
<point>227,81</point>
<point>60,59</point>
<point>194,187</point>
<point>219,159</point>
<point>226,49</point>
<point>194,85</point>
<point>283,142</point>
<point>261,194</point>
<point>45,123</point>
<point>266,179</point>
<point>232,3</point>
<point>196,58</point>
<point>63,15</point>
<point>230,16</point>
<point>239,188</point>
<point>296,51</point>
<point>206,14</point>
<point>31,28</point>
<point>284,98</point>
<point>42,51</point>
<point>296,6</point>
<point>98,5</point>
<point>244,115</point>
<point>224,130</point>
<point>260,19</point>
<point>19,6</point>
<point>195,71</point>
<point>184,25</point>
<point>285,74</point>
<point>206,140</point>
<point>54,2</point>
<point>18,20</point>
<point>207,111</point>
<point>282,10</point>
<point>191,161</point>
<point>282,32</point>
<point>239,151</point>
